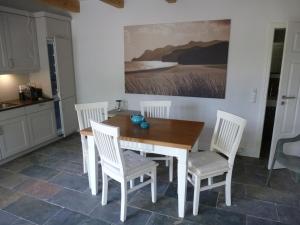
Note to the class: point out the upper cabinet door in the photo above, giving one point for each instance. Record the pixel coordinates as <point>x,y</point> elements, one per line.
<point>21,42</point>
<point>3,51</point>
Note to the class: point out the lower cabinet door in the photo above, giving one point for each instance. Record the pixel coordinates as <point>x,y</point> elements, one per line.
<point>14,136</point>
<point>42,126</point>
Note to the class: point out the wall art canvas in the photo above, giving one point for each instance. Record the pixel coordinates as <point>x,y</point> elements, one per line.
<point>177,59</point>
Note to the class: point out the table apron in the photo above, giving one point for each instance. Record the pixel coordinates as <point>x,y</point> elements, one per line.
<point>149,148</point>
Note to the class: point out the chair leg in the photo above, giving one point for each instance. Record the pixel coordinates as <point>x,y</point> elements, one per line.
<point>197,186</point>
<point>123,201</point>
<point>104,188</point>
<point>170,169</point>
<point>228,188</point>
<point>142,177</point>
<point>84,154</point>
<point>270,172</point>
<point>153,185</point>
<point>131,182</point>
<point>210,179</point>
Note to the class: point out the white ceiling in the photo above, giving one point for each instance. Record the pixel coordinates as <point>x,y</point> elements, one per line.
<point>32,6</point>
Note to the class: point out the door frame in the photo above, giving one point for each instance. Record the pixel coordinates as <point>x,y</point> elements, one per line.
<point>266,79</point>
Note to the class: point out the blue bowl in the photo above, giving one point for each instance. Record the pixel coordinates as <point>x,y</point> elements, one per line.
<point>144,125</point>
<point>137,119</point>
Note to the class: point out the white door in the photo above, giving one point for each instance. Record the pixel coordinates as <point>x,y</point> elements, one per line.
<point>65,68</point>
<point>287,118</point>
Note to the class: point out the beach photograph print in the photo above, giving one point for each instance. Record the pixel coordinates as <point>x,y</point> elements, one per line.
<point>177,59</point>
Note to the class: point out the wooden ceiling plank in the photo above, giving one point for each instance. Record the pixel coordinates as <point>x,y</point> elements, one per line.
<point>115,3</point>
<point>69,5</point>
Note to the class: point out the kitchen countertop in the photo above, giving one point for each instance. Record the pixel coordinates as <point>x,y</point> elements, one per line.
<point>13,104</point>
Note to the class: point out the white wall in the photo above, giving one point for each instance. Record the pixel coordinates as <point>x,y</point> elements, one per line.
<point>9,85</point>
<point>99,55</point>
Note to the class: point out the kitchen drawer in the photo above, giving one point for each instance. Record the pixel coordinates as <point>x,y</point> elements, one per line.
<point>12,113</point>
<point>38,107</point>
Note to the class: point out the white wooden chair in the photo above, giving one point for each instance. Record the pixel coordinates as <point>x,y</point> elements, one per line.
<point>219,160</point>
<point>85,112</point>
<point>158,109</point>
<point>121,166</point>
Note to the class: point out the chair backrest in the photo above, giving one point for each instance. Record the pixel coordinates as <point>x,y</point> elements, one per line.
<point>156,109</point>
<point>107,142</point>
<point>91,111</point>
<point>227,135</point>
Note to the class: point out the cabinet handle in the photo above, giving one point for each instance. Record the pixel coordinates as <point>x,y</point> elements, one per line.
<point>288,97</point>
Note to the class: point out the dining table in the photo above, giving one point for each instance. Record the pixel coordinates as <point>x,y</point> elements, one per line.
<point>169,137</point>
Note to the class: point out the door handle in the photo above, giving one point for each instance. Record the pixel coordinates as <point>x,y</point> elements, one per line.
<point>288,97</point>
<point>1,131</point>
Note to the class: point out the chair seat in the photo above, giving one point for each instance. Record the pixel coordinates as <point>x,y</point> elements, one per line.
<point>135,162</point>
<point>207,163</point>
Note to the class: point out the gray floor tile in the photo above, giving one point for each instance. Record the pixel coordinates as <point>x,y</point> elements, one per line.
<point>38,189</point>
<point>237,190</point>
<point>39,172</point>
<point>272,195</point>
<point>6,218</point>
<point>63,154</point>
<point>67,217</point>
<point>7,197</point>
<point>71,167</point>
<point>22,222</point>
<point>72,181</point>
<point>32,209</point>
<point>111,214</point>
<point>251,207</point>
<point>16,165</point>
<point>213,216</point>
<point>10,179</point>
<point>164,205</point>
<point>157,219</point>
<point>76,201</point>
<point>282,180</point>
<point>206,197</point>
<point>258,221</point>
<point>288,215</point>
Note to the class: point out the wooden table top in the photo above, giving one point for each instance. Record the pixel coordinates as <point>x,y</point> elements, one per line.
<point>164,132</point>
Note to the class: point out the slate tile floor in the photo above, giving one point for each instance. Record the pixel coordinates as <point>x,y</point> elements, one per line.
<point>47,187</point>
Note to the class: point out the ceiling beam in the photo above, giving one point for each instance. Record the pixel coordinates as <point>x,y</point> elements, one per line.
<point>115,3</point>
<point>171,1</point>
<point>69,5</point>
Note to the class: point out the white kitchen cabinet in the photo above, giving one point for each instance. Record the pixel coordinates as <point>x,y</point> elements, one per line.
<point>14,136</point>
<point>3,51</point>
<point>19,35</point>
<point>41,126</point>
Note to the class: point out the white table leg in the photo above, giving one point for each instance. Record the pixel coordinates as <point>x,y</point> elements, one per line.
<point>93,165</point>
<point>182,182</point>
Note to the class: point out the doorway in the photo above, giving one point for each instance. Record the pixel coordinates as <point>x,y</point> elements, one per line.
<point>272,94</point>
